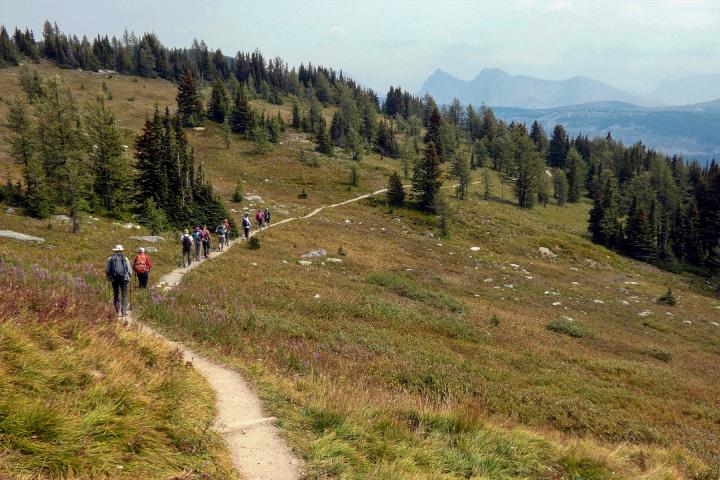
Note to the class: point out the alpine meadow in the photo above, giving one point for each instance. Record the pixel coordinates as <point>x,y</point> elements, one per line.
<point>244,267</point>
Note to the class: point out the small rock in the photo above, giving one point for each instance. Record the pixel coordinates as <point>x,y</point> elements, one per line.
<point>285,262</point>
<point>474,249</point>
<point>624,302</point>
<point>61,218</point>
<point>304,263</point>
<point>347,221</point>
<point>556,304</point>
<point>687,322</point>
<point>334,260</point>
<point>253,198</point>
<point>488,280</point>
<point>514,265</point>
<point>254,264</point>
<point>631,283</point>
<point>233,210</point>
<point>10,210</point>
<point>669,314</point>
<point>598,302</point>
<point>566,318</point>
<point>439,244</point>
<point>316,296</point>
<point>645,313</point>
<point>130,226</point>
<point>575,283</point>
<point>198,129</point>
<point>510,286</point>
<point>546,252</point>
<point>151,249</point>
<point>148,238</point>
<point>430,234</point>
<point>529,277</point>
<point>314,253</point>
<point>715,323</point>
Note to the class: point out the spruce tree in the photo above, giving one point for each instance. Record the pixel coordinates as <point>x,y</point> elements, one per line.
<point>573,175</point>
<point>296,115</point>
<point>487,184</point>
<point>433,134</point>
<point>111,170</point>
<point>460,171</point>
<point>558,148</point>
<point>538,136</point>
<point>219,104</point>
<point>190,107</point>
<point>426,178</point>
<point>322,138</point>
<point>395,190</point>
<point>639,238</point>
<point>560,184</point>
<point>242,118</point>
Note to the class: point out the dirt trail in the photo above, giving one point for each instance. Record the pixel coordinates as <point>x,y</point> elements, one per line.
<point>256,448</point>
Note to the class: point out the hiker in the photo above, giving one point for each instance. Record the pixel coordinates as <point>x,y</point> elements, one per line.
<point>197,237</point>
<point>260,217</point>
<point>266,214</point>
<point>246,224</point>
<point>220,231</point>
<point>117,271</point>
<point>228,231</point>
<point>187,243</point>
<point>142,266</point>
<point>205,235</point>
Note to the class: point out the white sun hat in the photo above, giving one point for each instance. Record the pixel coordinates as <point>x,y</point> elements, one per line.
<point>118,248</point>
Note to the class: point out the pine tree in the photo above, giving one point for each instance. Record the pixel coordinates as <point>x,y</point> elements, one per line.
<point>111,170</point>
<point>395,190</point>
<point>538,136</point>
<point>426,178</point>
<point>63,150</point>
<point>460,171</point>
<point>324,143</point>
<point>226,131</point>
<point>441,207</point>
<point>153,217</point>
<point>560,184</point>
<point>242,118</point>
<point>296,115</point>
<point>639,238</point>
<point>573,175</point>
<point>481,152</point>
<point>433,134</point>
<point>219,103</point>
<point>190,107</point>
<point>597,214</point>
<point>259,136</point>
<point>558,148</point>
<point>487,184</point>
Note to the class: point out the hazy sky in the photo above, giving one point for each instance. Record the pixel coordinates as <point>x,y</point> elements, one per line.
<point>630,44</point>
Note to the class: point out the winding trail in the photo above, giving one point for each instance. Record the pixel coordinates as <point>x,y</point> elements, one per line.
<point>256,446</point>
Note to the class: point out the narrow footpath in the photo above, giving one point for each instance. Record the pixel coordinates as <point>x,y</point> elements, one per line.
<point>256,447</point>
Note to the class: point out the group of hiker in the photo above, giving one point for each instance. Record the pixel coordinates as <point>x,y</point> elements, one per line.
<point>118,269</point>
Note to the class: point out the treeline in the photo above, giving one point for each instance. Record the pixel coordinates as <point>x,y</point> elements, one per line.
<point>72,158</point>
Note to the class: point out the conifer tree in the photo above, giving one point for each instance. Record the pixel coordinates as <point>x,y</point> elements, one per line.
<point>296,115</point>
<point>426,178</point>
<point>433,134</point>
<point>573,175</point>
<point>481,152</point>
<point>560,184</point>
<point>219,104</point>
<point>226,131</point>
<point>322,138</point>
<point>242,118</point>
<point>558,148</point>
<point>538,136</point>
<point>190,107</point>
<point>639,238</point>
<point>487,184</point>
<point>460,171</point>
<point>395,191</point>
<point>111,171</point>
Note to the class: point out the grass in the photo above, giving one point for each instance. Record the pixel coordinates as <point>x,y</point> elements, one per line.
<point>390,365</point>
<point>81,397</point>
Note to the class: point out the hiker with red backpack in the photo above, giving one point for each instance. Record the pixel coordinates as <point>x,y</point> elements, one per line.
<point>187,243</point>
<point>142,266</point>
<point>260,217</point>
<point>117,271</point>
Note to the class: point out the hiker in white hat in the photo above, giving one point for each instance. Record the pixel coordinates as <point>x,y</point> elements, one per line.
<point>117,271</point>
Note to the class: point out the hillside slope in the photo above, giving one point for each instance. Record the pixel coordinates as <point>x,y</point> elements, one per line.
<point>419,357</point>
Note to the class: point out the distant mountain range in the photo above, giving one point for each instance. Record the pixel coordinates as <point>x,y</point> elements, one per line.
<point>692,130</point>
<point>591,107</point>
<point>498,88</point>
<point>687,90</point>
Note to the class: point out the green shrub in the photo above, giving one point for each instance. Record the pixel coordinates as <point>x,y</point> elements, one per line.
<point>253,243</point>
<point>667,298</point>
<point>303,195</point>
<point>567,327</point>
<point>495,320</point>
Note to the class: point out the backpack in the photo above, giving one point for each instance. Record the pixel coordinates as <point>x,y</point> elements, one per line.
<point>118,269</point>
<point>196,235</point>
<point>187,242</point>
<point>259,216</point>
<point>141,263</point>
<point>220,229</point>
<point>246,222</point>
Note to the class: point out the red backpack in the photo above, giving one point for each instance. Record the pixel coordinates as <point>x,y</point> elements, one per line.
<point>259,216</point>
<point>141,263</point>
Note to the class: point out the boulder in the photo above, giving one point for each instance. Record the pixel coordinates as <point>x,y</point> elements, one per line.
<point>148,238</point>
<point>151,249</point>
<point>130,226</point>
<point>314,253</point>
<point>10,210</point>
<point>304,263</point>
<point>546,252</point>
<point>334,260</point>
<point>61,218</point>
<point>20,236</point>
<point>253,198</point>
